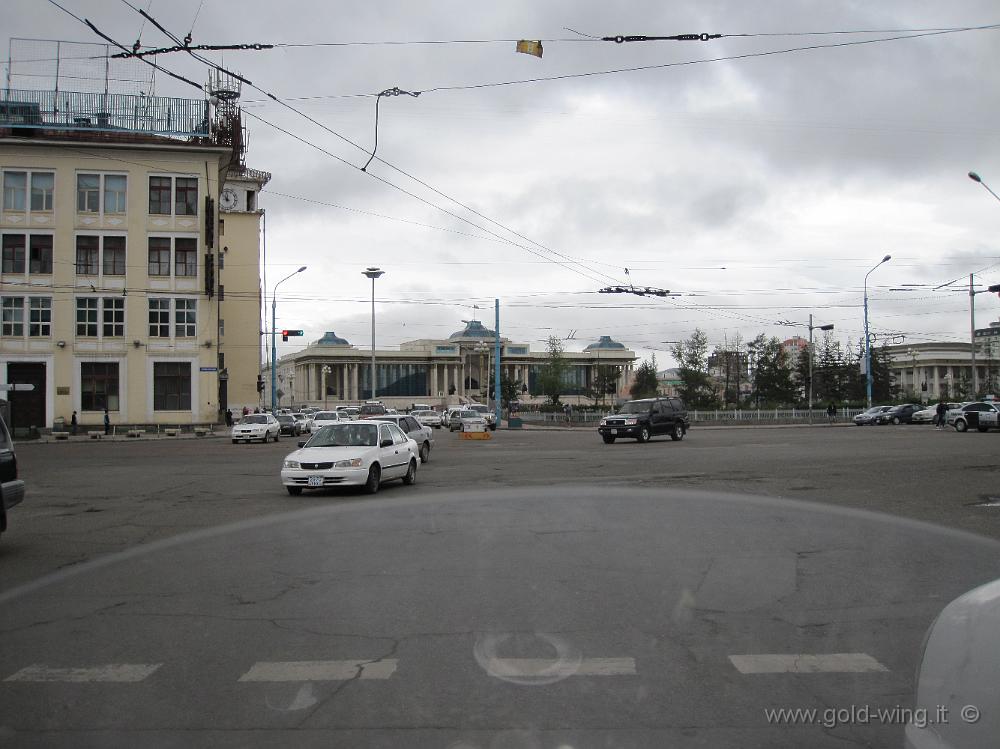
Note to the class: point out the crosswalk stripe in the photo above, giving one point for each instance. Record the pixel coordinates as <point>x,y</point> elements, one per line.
<point>805,663</point>
<point>111,672</point>
<point>320,670</point>
<point>531,667</point>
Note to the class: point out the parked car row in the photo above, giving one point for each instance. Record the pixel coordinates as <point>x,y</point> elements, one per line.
<point>980,415</point>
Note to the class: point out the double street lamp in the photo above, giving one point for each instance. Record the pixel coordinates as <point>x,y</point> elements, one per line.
<point>274,353</point>
<point>373,273</point>
<point>868,344</point>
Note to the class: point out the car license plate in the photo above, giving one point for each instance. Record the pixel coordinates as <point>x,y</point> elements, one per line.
<point>315,481</point>
<point>614,431</point>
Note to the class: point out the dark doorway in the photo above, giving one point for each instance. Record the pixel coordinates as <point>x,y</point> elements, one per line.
<point>27,407</point>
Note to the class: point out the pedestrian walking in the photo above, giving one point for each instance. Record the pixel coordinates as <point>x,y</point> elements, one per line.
<point>107,422</point>
<point>246,410</point>
<point>229,417</point>
<point>941,415</point>
<point>72,423</point>
<point>831,413</point>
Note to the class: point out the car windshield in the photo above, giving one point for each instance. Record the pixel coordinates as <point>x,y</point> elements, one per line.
<point>256,419</point>
<point>326,416</point>
<point>468,415</point>
<point>283,419</point>
<point>636,407</point>
<point>346,435</point>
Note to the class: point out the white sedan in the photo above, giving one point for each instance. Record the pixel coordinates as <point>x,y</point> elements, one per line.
<point>326,418</point>
<point>356,453</point>
<point>428,418</point>
<point>256,427</point>
<point>467,421</point>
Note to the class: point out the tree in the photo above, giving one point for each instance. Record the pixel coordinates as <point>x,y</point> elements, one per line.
<point>510,390</point>
<point>605,382</point>
<point>646,383</point>
<point>553,372</point>
<point>773,383</point>
<point>692,358</point>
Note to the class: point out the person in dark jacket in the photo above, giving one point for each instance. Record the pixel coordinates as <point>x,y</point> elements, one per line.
<point>941,413</point>
<point>107,421</point>
<point>73,424</point>
<point>229,417</point>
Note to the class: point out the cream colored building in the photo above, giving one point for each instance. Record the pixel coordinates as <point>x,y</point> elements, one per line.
<point>240,286</point>
<point>436,372</point>
<point>115,264</point>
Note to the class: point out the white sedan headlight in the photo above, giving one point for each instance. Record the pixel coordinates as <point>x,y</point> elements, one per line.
<point>352,463</point>
<point>292,464</point>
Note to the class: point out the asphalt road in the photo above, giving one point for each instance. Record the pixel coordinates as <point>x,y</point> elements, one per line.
<point>538,590</point>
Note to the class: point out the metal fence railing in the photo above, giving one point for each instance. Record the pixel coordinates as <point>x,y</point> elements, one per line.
<point>722,415</point>
<point>73,110</point>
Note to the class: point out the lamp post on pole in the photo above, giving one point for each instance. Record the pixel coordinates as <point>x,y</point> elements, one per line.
<point>811,329</point>
<point>326,370</point>
<point>373,273</point>
<point>274,352</point>
<point>868,344</point>
<point>972,300</point>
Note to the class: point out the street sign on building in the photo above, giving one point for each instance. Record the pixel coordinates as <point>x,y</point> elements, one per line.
<point>17,387</point>
<point>987,332</point>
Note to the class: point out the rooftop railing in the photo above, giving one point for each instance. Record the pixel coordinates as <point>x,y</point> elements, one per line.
<point>69,110</point>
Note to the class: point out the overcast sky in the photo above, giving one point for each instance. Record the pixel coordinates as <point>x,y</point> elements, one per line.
<point>760,189</point>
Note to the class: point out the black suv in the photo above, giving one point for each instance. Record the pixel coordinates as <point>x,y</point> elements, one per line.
<point>11,489</point>
<point>643,419</point>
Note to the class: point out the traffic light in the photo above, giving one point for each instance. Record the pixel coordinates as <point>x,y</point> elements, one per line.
<point>260,384</point>
<point>286,333</point>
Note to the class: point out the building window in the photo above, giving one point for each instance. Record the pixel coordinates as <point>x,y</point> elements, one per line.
<point>159,256</point>
<point>114,256</point>
<point>159,195</point>
<point>159,318</point>
<point>114,193</point>
<point>114,317</point>
<point>42,186</point>
<point>171,386</point>
<point>98,386</point>
<point>39,316</point>
<point>88,193</point>
<point>86,316</point>
<point>185,257</point>
<point>186,196</point>
<point>40,254</point>
<point>14,190</point>
<point>13,253</point>
<point>12,316</point>
<point>87,255</point>
<point>186,318</point>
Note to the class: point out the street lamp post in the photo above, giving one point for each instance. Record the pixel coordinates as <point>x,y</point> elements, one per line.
<point>326,370</point>
<point>274,350</point>
<point>811,329</point>
<point>868,344</point>
<point>972,299</point>
<point>373,273</point>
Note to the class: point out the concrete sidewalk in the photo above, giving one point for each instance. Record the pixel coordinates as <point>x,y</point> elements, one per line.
<point>46,439</point>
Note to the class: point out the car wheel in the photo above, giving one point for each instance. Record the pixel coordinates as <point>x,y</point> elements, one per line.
<point>235,441</point>
<point>644,434</point>
<point>608,439</point>
<point>895,420</point>
<point>983,429</point>
<point>411,473</point>
<point>374,479</point>
<point>425,452</point>
<point>961,426</point>
<point>294,490</point>
<point>677,433</point>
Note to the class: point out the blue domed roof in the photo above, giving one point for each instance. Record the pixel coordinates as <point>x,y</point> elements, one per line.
<point>605,343</point>
<point>473,329</point>
<point>331,339</point>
